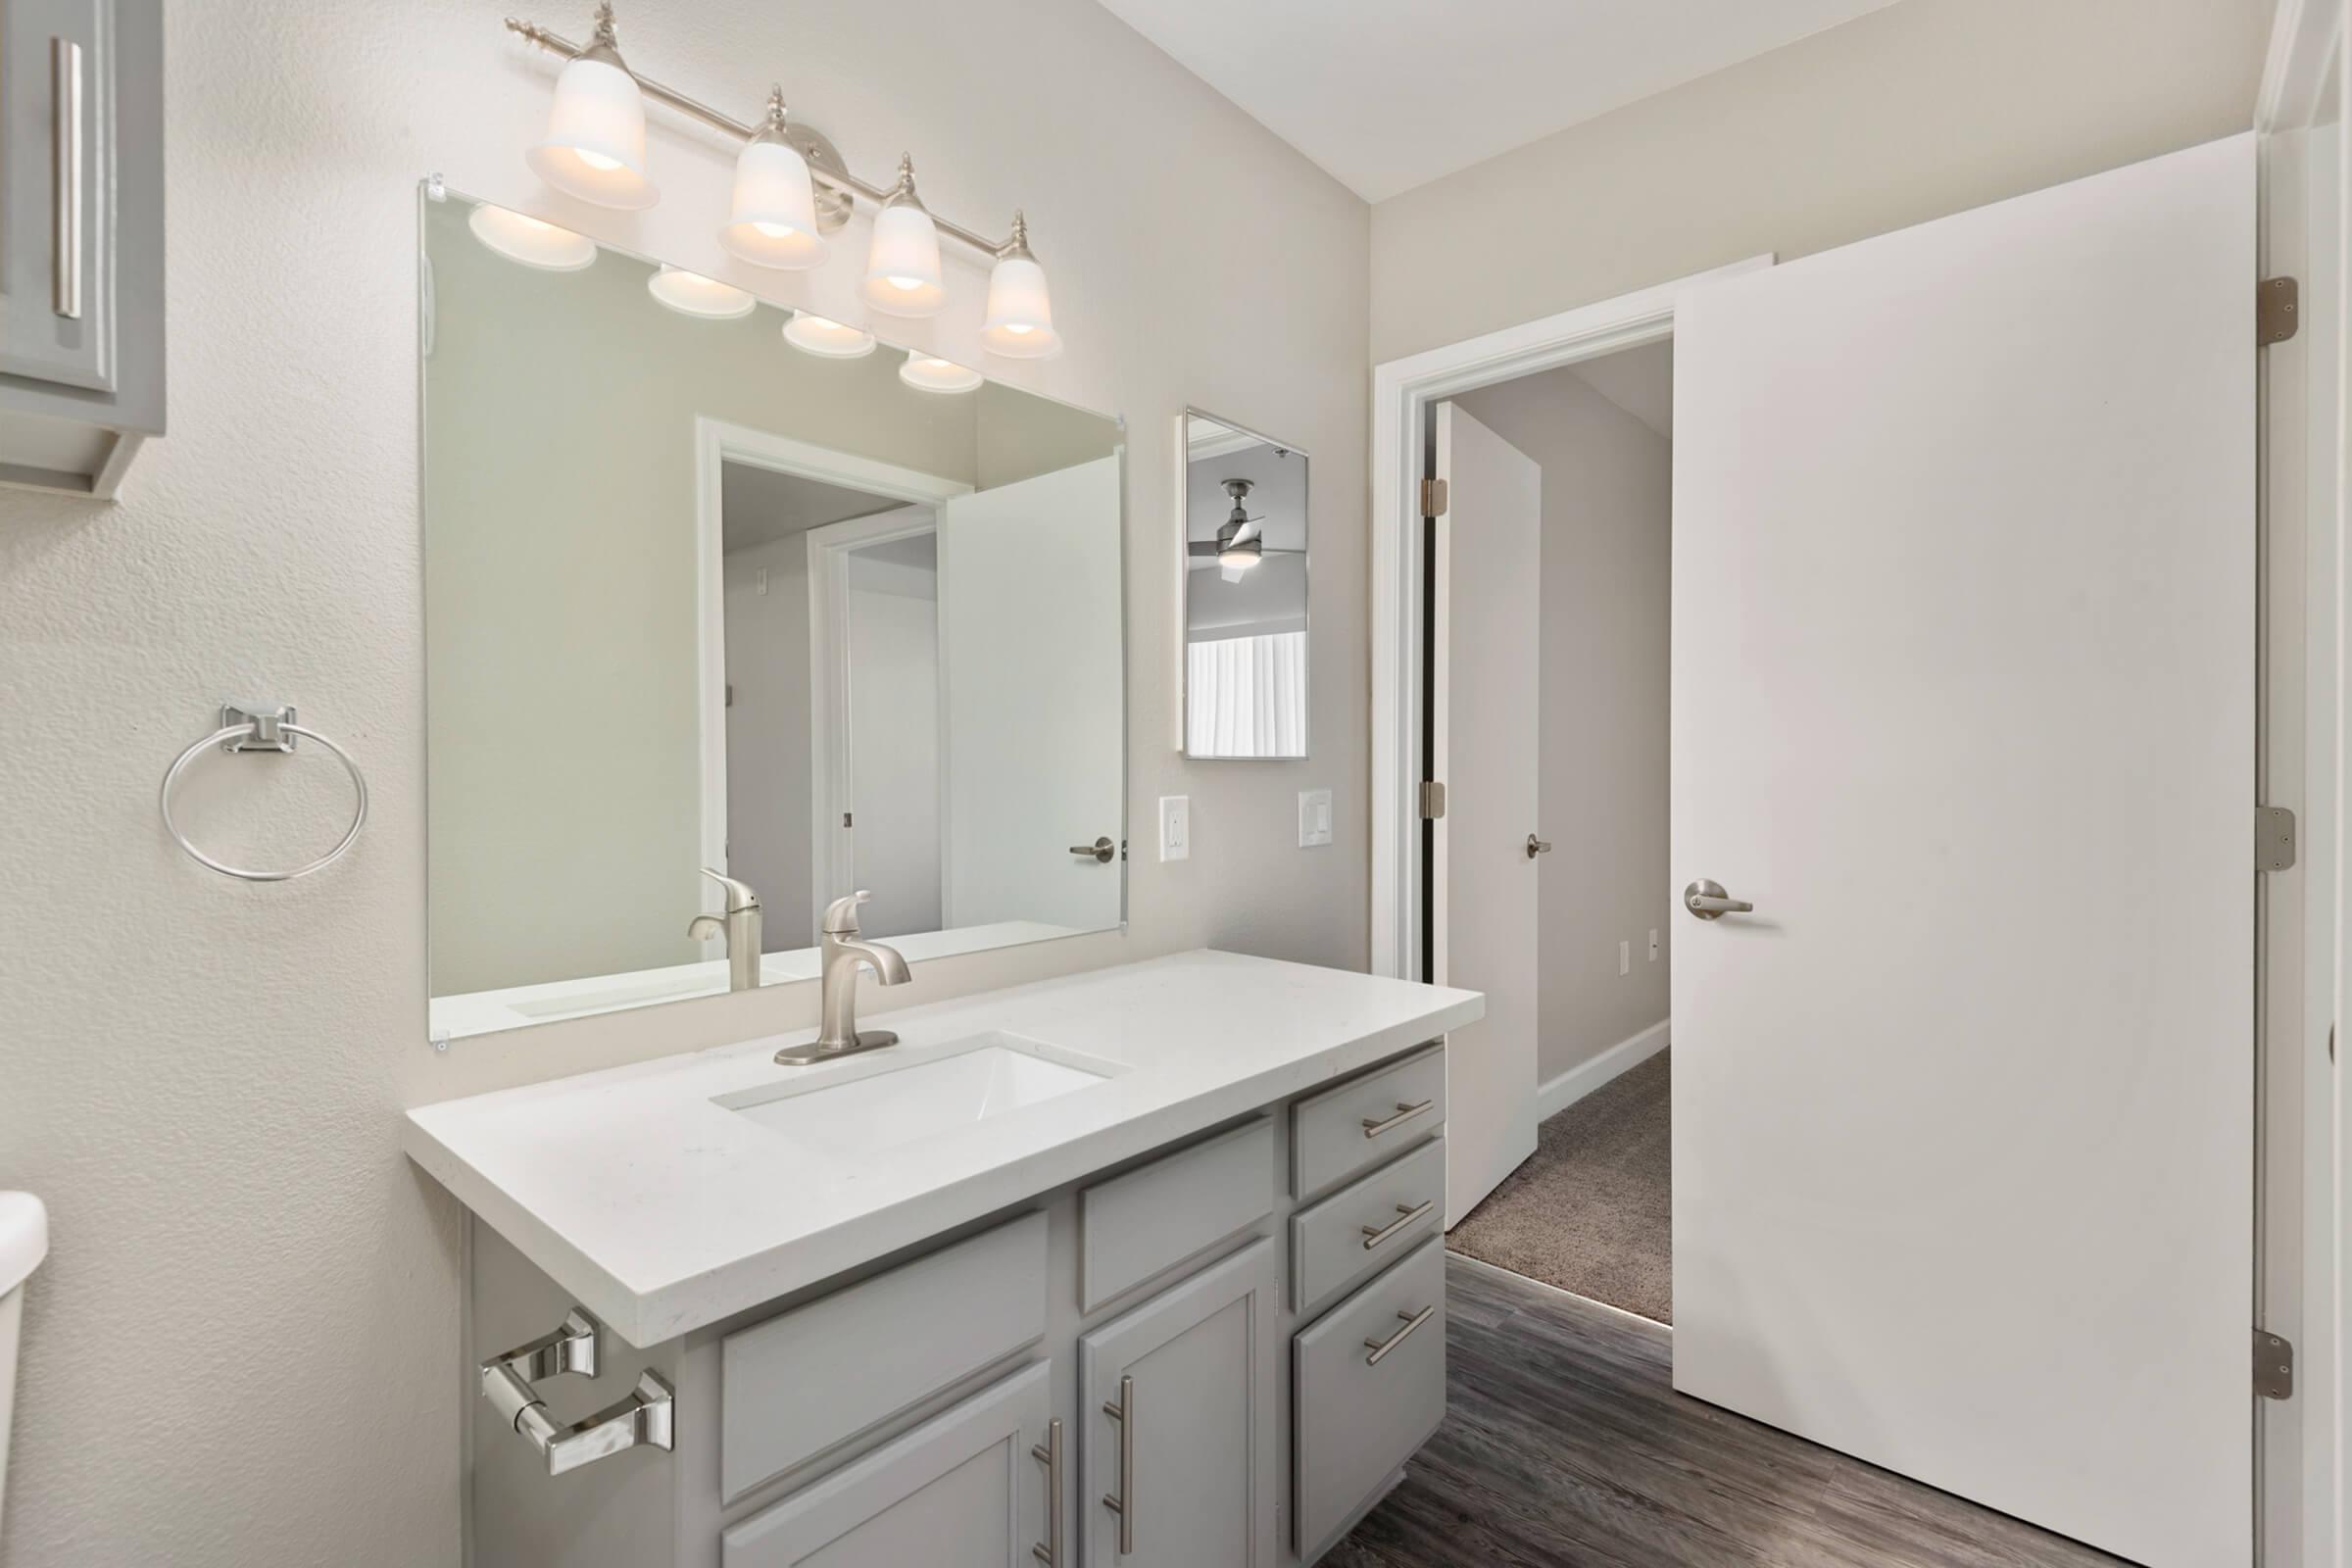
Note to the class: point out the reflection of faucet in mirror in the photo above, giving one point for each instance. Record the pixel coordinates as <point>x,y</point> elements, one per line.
<point>740,926</point>
<point>845,954</point>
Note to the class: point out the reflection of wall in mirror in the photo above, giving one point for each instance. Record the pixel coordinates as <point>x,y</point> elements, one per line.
<point>767,734</point>
<point>895,733</point>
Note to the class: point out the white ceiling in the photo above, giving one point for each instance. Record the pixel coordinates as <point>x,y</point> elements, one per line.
<point>759,505</point>
<point>1641,381</point>
<point>1388,94</point>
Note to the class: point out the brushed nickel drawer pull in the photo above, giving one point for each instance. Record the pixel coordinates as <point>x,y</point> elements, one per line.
<point>1123,1504</point>
<point>1050,1553</point>
<point>64,173</point>
<point>1413,1321</point>
<point>1406,1213</point>
<point>1374,1127</point>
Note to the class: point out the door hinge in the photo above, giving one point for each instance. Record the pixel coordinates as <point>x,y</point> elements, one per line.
<point>2273,838</point>
<point>2276,311</point>
<point>2274,1366</point>
<point>1433,800</point>
<point>1433,497</point>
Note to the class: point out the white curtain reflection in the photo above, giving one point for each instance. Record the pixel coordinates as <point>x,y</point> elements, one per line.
<point>1246,696</point>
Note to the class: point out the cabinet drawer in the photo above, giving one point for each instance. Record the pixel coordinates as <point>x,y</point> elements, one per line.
<point>1358,1419</point>
<point>1365,1226</point>
<point>1154,1218</point>
<point>1366,1120</point>
<point>804,1379</point>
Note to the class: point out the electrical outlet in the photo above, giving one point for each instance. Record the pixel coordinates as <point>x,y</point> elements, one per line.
<point>1625,958</point>
<point>1654,944</point>
<point>1175,827</point>
<point>1314,818</point>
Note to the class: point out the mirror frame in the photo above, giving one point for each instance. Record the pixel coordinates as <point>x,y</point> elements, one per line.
<point>1184,618</point>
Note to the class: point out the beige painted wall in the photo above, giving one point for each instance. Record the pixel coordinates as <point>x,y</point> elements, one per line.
<point>1607,542</point>
<point>203,1077</point>
<point>1922,109</point>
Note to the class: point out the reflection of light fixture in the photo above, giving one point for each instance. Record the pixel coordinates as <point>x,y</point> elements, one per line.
<point>830,340</point>
<point>519,238</point>
<point>595,146</point>
<point>772,219</point>
<point>693,294</point>
<point>902,270</point>
<point>1241,543</point>
<point>928,374</point>
<point>1020,313</point>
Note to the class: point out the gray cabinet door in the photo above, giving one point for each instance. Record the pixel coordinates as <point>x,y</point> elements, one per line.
<point>960,1491</point>
<point>57,128</point>
<point>1190,1462</point>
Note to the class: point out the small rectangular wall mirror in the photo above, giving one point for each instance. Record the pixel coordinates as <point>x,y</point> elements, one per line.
<point>1245,592</point>
<point>701,594</point>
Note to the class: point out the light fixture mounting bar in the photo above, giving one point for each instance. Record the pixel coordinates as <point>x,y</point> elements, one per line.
<point>825,171</point>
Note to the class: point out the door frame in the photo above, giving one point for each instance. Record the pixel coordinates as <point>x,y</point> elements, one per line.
<point>1402,393</point>
<point>716,443</point>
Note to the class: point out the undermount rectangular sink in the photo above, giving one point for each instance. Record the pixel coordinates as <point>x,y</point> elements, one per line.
<point>940,1089</point>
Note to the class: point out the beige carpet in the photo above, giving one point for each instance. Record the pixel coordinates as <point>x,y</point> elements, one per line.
<point>1591,1211</point>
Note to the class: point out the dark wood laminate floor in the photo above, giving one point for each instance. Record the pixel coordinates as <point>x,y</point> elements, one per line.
<point>1565,1444</point>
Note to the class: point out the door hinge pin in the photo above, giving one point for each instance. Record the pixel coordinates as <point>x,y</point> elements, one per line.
<point>2274,1366</point>
<point>2276,311</point>
<point>1433,497</point>
<point>1433,800</point>
<point>2273,838</point>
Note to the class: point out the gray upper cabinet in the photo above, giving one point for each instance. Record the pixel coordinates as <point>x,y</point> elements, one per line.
<point>1185,1474</point>
<point>81,240</point>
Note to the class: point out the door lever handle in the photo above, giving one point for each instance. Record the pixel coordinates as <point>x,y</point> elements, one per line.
<point>1537,846</point>
<point>1707,901</point>
<point>1101,849</point>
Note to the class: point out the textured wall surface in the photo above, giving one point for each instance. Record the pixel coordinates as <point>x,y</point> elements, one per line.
<point>1924,108</point>
<point>243,1350</point>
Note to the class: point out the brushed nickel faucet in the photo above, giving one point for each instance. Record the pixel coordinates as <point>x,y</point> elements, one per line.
<point>741,928</point>
<point>844,955</point>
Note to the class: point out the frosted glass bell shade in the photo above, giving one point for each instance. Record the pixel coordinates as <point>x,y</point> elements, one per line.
<point>902,270</point>
<point>595,146</point>
<point>772,219</point>
<point>693,294</point>
<point>530,241</point>
<point>928,374</point>
<point>1020,313</point>
<point>826,339</point>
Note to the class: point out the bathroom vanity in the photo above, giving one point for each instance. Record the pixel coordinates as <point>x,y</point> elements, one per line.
<point>1140,1266</point>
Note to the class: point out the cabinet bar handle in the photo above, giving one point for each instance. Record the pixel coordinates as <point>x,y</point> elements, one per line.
<point>1412,1320</point>
<point>1374,1127</point>
<point>1123,1504</point>
<point>65,203</point>
<point>1051,1458</point>
<point>1374,1235</point>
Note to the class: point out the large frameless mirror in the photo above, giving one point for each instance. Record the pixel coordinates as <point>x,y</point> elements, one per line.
<point>1245,592</point>
<point>710,586</point>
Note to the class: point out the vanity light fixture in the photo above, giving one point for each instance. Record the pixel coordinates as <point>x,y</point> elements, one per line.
<point>1020,312</point>
<point>791,189</point>
<point>828,339</point>
<point>927,372</point>
<point>595,147</point>
<point>902,270</point>
<point>771,221</point>
<point>528,240</point>
<point>693,294</point>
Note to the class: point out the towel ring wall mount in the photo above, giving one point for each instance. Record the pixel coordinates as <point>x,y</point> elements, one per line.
<point>262,730</point>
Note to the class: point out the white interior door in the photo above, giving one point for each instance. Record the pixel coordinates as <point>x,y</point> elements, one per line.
<point>1030,682</point>
<point>1963,702</point>
<point>1483,735</point>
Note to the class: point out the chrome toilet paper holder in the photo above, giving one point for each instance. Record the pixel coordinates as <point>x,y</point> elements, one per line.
<point>645,1418</point>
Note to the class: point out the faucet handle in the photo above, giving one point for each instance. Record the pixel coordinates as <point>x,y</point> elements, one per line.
<point>740,896</point>
<point>841,916</point>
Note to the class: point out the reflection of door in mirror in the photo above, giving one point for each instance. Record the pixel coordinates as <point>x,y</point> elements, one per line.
<point>1245,625</point>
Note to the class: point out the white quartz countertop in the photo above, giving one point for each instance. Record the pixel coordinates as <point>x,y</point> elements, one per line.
<point>663,1210</point>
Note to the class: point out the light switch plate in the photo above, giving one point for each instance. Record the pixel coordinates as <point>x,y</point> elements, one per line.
<point>1175,827</point>
<point>1314,818</point>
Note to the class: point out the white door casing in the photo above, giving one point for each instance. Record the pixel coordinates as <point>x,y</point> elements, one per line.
<point>1483,732</point>
<point>1963,695</point>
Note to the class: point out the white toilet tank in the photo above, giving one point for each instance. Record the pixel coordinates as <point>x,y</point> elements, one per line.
<point>23,1243</point>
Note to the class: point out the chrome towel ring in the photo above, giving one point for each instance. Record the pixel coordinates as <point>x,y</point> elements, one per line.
<point>262,730</point>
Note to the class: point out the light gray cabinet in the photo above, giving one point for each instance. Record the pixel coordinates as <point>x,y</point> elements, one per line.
<point>1185,1473</point>
<point>81,240</point>
<point>965,1490</point>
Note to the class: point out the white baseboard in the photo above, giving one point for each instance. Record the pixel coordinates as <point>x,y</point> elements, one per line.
<point>1556,1095</point>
